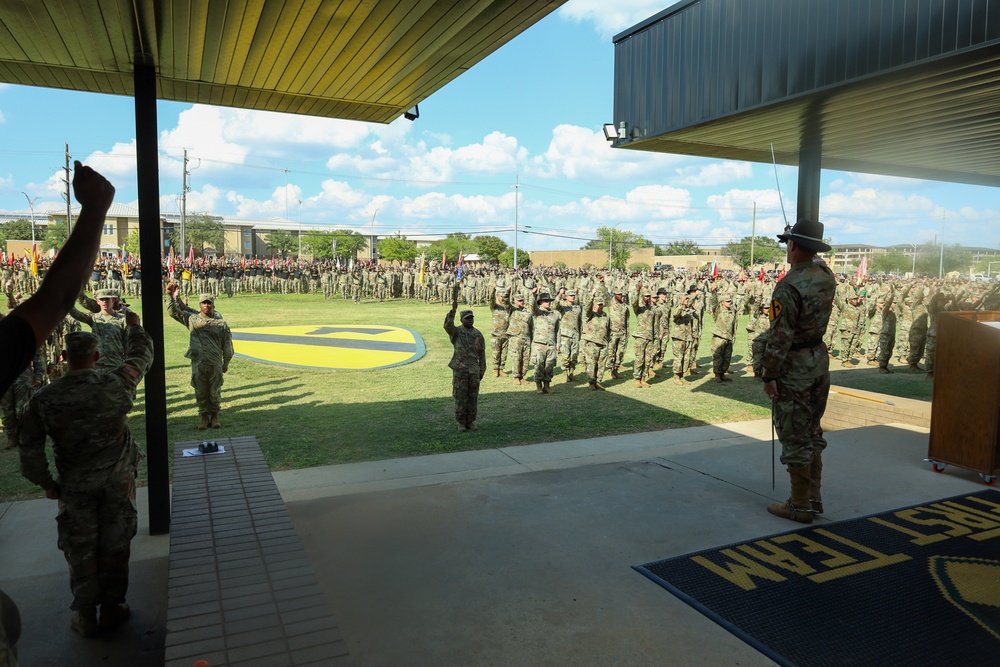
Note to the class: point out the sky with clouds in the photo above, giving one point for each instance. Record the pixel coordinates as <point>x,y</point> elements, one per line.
<point>524,124</point>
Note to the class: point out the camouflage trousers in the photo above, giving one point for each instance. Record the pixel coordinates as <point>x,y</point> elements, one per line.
<point>872,345</point>
<point>749,357</point>
<point>465,389</point>
<point>682,355</point>
<point>797,412</point>
<point>206,378</point>
<point>12,406</point>
<point>643,358</point>
<point>930,347</point>
<point>850,341</point>
<point>499,346</point>
<point>917,339</point>
<point>758,346</point>
<point>903,337</point>
<point>520,353</point>
<point>543,358</point>
<point>569,351</point>
<point>722,354</point>
<point>616,351</point>
<point>96,528</point>
<point>596,359</point>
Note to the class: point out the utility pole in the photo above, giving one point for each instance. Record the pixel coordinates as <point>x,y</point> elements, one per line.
<point>516,196</point>
<point>69,199</point>
<point>753,233</point>
<point>184,199</point>
<point>941,260</point>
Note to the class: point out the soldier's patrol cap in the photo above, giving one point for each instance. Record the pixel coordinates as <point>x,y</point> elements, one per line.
<point>79,343</point>
<point>465,313</point>
<point>571,292</point>
<point>726,296</point>
<point>599,299</point>
<point>544,296</point>
<point>106,294</point>
<point>662,290</point>
<point>646,291</point>
<point>202,298</point>
<point>619,290</point>
<point>518,297</point>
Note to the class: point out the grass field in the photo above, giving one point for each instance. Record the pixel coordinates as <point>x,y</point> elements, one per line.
<point>305,417</point>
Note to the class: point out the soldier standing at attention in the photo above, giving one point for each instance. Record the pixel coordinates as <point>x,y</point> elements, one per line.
<point>617,343</point>
<point>108,324</point>
<point>86,415</point>
<point>645,319</point>
<point>796,367</point>
<point>545,330</point>
<point>570,319</point>
<point>596,331</point>
<point>210,349</point>
<point>468,364</point>
<point>519,338</point>
<point>682,337</point>
<point>499,342</point>
<point>723,333</point>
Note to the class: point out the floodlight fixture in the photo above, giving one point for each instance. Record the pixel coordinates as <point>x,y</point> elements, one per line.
<point>610,131</point>
<point>413,113</point>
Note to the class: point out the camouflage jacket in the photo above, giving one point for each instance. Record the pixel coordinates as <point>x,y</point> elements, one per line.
<point>570,317</point>
<point>211,341</point>
<point>597,326</point>
<point>683,320</point>
<point>618,314</point>
<point>86,415</point>
<point>800,312</point>
<point>470,347</point>
<point>725,319</point>
<point>501,314</point>
<point>111,330</point>
<point>645,318</point>
<point>545,327</point>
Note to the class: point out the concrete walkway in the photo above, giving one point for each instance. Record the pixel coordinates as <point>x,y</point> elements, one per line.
<point>513,556</point>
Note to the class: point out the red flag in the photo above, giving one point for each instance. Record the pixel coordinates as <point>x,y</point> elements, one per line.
<point>288,264</point>
<point>170,262</point>
<point>272,264</point>
<point>782,274</point>
<point>444,259</point>
<point>715,269</point>
<point>243,263</point>
<point>760,278</point>
<point>461,257</point>
<point>191,255</point>
<point>862,268</point>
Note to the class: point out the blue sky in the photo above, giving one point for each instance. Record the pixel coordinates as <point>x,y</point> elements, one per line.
<point>531,111</point>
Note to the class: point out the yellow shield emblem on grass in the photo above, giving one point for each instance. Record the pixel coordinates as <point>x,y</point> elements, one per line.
<point>350,347</point>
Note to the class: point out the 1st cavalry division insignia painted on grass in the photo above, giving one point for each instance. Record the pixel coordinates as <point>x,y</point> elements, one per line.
<point>336,347</point>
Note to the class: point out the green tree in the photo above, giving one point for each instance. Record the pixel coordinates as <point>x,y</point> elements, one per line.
<point>956,258</point>
<point>490,247</point>
<point>319,244</point>
<point>638,267</point>
<point>682,247</point>
<point>453,245</point>
<point>889,262</point>
<point>349,243</point>
<point>622,242</point>
<point>203,230</point>
<point>765,251</point>
<point>15,230</point>
<point>132,242</point>
<point>397,248</point>
<point>55,235</point>
<point>282,243</point>
<point>507,258</point>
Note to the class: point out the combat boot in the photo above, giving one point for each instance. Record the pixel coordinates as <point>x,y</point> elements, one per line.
<point>501,374</point>
<point>815,480</point>
<point>597,386</point>
<point>615,375</point>
<point>538,388</point>
<point>638,384</point>
<point>569,376</point>
<point>204,421</point>
<point>679,378</point>
<point>214,420</point>
<point>496,372</point>
<point>644,383</point>
<point>797,507</point>
<point>884,369</point>
<point>462,428</point>
<point>113,615</point>
<point>915,367</point>
<point>872,362</point>
<point>473,427</point>
<point>84,622</point>
<point>547,388</point>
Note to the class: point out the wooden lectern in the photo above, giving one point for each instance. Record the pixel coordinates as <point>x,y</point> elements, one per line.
<point>965,412</point>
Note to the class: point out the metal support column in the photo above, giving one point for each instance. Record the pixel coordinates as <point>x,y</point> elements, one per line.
<point>148,176</point>
<point>810,169</point>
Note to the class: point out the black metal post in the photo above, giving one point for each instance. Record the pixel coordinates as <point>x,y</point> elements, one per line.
<point>148,176</point>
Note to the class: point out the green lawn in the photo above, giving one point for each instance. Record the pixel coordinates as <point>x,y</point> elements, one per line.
<point>304,417</point>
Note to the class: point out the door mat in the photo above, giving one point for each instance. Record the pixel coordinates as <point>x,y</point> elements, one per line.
<point>913,586</point>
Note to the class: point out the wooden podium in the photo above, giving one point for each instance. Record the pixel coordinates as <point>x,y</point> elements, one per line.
<point>965,411</point>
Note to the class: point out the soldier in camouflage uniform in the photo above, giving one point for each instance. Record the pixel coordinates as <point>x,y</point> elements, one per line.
<point>618,342</point>
<point>544,337</point>
<point>519,337</point>
<point>15,400</point>
<point>499,344</point>
<point>682,336</point>
<point>851,325</point>
<point>85,412</point>
<point>796,367</point>
<point>468,364</point>
<point>570,320</point>
<point>759,323</point>
<point>210,350</point>
<point>661,327</point>
<point>645,321</point>
<point>917,337</point>
<point>596,332</point>
<point>723,333</point>
<point>886,336</point>
<point>108,324</point>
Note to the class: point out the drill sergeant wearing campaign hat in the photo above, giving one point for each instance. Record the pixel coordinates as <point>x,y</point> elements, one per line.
<point>796,367</point>
<point>545,330</point>
<point>108,324</point>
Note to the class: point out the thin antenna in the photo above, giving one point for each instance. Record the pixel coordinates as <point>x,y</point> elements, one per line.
<point>778,185</point>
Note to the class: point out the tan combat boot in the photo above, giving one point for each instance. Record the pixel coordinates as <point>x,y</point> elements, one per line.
<point>501,374</point>
<point>547,388</point>
<point>214,420</point>
<point>815,480</point>
<point>84,622</point>
<point>638,384</point>
<point>538,388</point>
<point>204,421</point>
<point>797,508</point>
<point>597,386</point>
<point>679,378</point>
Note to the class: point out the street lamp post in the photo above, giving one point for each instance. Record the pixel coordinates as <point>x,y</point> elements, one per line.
<point>31,205</point>
<point>913,271</point>
<point>300,229</point>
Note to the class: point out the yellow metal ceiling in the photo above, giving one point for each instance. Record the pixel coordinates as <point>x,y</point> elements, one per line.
<point>356,59</point>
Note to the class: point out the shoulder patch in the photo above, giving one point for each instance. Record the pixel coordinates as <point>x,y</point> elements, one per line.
<point>130,371</point>
<point>775,311</point>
